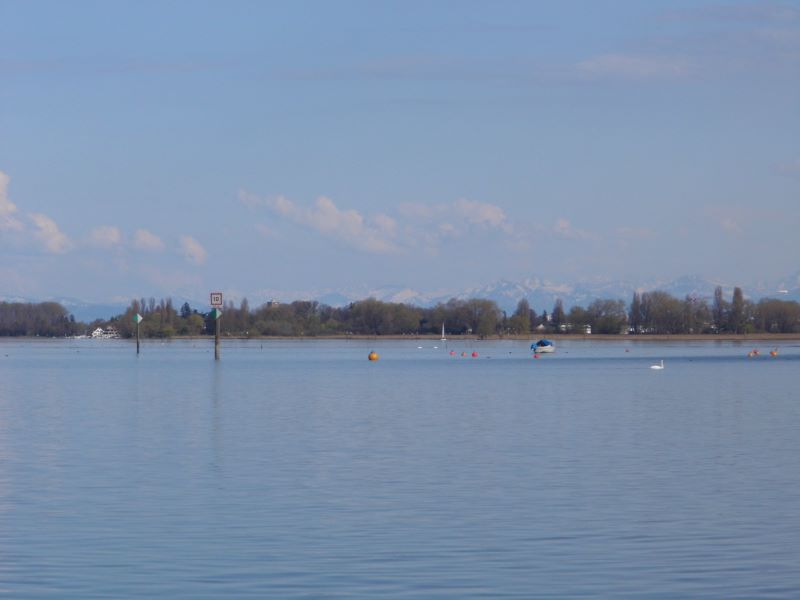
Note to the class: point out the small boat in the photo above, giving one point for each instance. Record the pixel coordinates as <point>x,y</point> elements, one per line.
<point>543,346</point>
<point>658,366</point>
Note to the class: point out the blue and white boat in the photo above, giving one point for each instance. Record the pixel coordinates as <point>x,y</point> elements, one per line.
<point>543,346</point>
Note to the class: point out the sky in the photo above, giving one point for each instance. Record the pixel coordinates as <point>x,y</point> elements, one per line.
<point>176,148</point>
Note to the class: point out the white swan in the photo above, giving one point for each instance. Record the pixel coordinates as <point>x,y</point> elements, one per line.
<point>659,367</point>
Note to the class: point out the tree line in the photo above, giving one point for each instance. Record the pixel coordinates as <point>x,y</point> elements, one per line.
<point>654,312</point>
<point>46,319</point>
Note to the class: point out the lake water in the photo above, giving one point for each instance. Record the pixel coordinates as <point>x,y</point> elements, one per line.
<point>298,469</point>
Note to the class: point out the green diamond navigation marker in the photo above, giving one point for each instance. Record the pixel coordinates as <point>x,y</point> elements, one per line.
<point>137,318</point>
<point>216,313</point>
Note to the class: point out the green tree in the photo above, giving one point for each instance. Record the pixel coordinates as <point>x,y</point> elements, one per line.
<point>243,321</point>
<point>558,317</point>
<point>520,322</point>
<point>484,316</point>
<point>736,315</point>
<point>607,316</point>
<point>45,319</point>
<point>578,318</point>
<point>406,319</point>
<point>696,315</point>
<point>777,316</point>
<point>194,324</point>
<point>719,310</point>
<point>635,314</point>
<point>370,316</point>
<point>661,313</point>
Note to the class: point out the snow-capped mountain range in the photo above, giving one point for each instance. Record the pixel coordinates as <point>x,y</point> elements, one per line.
<point>540,293</point>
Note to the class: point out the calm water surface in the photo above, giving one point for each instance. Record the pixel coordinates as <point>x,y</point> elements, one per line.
<point>301,470</point>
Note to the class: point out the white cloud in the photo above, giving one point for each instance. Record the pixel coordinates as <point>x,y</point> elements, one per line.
<point>730,225</point>
<point>434,222</point>
<point>386,224</point>
<point>480,213</point>
<point>54,240</point>
<point>192,250</point>
<point>106,236</point>
<point>250,200</point>
<point>7,208</point>
<point>625,66</point>
<point>348,226</point>
<point>469,212</point>
<point>144,240</point>
<point>563,228</point>
<point>418,225</point>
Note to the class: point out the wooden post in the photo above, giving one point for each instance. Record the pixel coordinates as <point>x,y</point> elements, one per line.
<point>137,318</point>
<point>216,338</point>
<point>216,302</point>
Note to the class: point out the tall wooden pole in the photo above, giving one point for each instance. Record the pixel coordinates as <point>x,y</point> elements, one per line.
<point>216,338</point>
<point>137,318</point>
<point>216,302</point>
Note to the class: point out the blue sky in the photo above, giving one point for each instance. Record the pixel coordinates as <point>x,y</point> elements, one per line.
<point>172,148</point>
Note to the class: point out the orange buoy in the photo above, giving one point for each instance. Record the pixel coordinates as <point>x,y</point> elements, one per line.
<point>773,353</point>
<point>373,355</point>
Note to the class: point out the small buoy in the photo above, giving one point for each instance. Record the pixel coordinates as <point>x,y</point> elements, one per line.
<point>373,355</point>
<point>773,353</point>
<point>474,355</point>
<point>463,354</point>
<point>626,350</point>
<point>452,352</point>
<point>535,355</point>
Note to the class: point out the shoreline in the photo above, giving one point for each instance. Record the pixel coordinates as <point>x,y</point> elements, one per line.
<point>679,337</point>
<point>676,337</point>
<point>643,338</point>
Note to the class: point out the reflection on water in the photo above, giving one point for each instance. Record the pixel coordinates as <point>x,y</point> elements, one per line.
<point>298,469</point>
